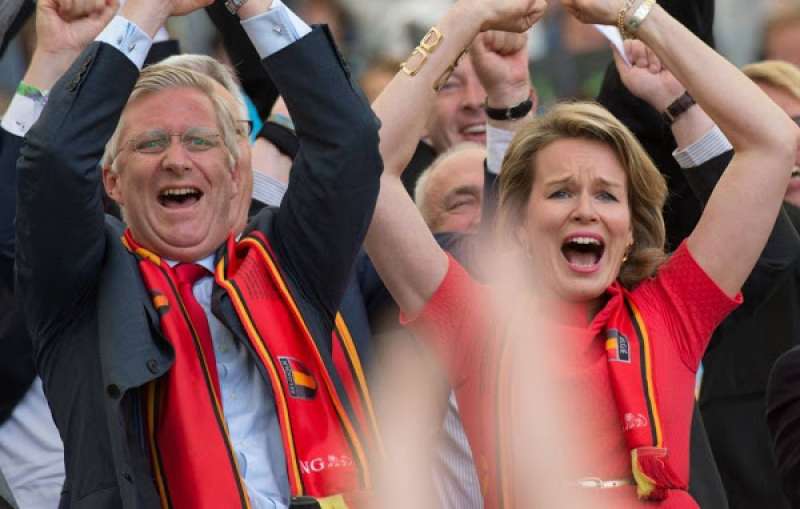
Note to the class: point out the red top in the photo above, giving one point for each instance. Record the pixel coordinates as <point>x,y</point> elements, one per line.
<point>681,306</point>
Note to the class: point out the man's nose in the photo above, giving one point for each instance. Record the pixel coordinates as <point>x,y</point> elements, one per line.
<point>176,158</point>
<point>474,95</point>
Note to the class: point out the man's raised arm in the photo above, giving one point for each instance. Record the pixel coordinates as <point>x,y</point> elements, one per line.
<point>60,235</point>
<point>327,207</point>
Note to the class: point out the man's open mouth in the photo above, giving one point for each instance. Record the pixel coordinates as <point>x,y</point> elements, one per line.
<point>474,131</point>
<point>179,197</point>
<point>583,252</point>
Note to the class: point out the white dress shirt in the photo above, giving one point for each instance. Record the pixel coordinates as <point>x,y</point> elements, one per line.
<point>31,452</point>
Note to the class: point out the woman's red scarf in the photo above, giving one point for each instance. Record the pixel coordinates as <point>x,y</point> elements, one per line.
<point>630,363</point>
<point>630,366</point>
<point>325,432</point>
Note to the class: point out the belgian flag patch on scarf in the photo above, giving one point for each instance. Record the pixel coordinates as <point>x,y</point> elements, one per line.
<point>301,382</point>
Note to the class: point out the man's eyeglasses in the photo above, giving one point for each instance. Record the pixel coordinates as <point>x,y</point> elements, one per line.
<point>244,127</point>
<point>194,139</point>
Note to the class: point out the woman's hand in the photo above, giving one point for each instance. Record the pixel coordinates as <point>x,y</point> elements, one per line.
<point>647,78</point>
<point>601,12</point>
<point>508,15</point>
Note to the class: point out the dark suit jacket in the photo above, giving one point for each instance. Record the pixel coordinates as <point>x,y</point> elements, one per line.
<point>16,364</point>
<point>26,10</point>
<point>17,370</point>
<point>96,335</point>
<point>783,418</point>
<point>741,353</point>
<point>738,361</point>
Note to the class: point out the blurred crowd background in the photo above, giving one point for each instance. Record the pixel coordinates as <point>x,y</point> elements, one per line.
<point>568,58</point>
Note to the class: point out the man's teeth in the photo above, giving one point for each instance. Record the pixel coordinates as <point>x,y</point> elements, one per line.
<point>585,241</point>
<point>180,191</point>
<point>476,129</point>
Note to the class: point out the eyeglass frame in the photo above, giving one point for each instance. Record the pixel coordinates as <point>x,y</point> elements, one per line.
<point>212,133</point>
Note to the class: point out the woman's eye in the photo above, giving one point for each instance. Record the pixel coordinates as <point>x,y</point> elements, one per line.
<point>561,193</point>
<point>606,196</point>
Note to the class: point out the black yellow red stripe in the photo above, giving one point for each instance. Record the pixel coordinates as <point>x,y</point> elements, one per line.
<point>647,372</point>
<point>345,419</point>
<point>217,406</point>
<point>295,479</point>
<point>358,370</point>
<point>151,405</point>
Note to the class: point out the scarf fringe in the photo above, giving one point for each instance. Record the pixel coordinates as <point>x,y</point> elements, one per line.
<point>654,477</point>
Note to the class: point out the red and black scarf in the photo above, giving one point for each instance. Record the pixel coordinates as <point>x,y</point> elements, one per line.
<point>630,361</point>
<point>322,402</point>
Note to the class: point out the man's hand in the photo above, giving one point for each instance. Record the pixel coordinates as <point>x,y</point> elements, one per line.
<point>63,29</point>
<point>75,9</point>
<point>151,15</point>
<point>500,60</point>
<point>66,27</point>
<point>509,15</point>
<point>182,7</point>
<point>602,12</point>
<point>646,77</point>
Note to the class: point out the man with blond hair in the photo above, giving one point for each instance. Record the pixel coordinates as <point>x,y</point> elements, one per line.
<point>179,361</point>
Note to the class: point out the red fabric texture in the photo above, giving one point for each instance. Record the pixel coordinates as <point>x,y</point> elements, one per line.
<point>681,306</point>
<point>187,274</point>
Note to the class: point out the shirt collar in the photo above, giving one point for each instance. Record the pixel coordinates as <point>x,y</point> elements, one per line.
<point>207,263</point>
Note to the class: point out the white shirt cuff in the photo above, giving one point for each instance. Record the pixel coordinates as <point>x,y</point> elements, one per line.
<point>268,190</point>
<point>161,36</point>
<point>497,142</point>
<point>128,38</point>
<point>21,114</point>
<point>275,29</point>
<point>712,144</point>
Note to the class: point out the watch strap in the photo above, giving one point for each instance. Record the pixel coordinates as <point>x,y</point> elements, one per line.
<point>233,6</point>
<point>678,108</point>
<point>512,113</point>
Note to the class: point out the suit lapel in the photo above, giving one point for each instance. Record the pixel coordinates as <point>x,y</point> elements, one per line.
<point>132,349</point>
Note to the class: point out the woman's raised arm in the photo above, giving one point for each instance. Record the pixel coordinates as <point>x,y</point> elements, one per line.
<point>742,210</point>
<point>410,262</point>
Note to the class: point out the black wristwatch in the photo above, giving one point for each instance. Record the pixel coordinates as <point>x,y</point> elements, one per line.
<point>512,113</point>
<point>678,108</point>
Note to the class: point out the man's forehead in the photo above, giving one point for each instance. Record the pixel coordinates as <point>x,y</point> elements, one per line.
<point>464,68</point>
<point>464,165</point>
<point>165,107</point>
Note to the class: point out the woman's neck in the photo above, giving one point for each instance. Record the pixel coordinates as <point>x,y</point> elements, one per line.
<point>573,314</point>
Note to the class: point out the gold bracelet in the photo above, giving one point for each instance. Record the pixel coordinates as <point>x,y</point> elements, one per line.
<point>621,19</point>
<point>438,84</point>
<point>639,15</point>
<point>427,45</point>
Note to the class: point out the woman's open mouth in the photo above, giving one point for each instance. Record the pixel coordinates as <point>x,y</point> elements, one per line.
<point>583,252</point>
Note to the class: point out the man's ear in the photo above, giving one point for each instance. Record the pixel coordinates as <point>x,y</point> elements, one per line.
<point>236,180</point>
<point>111,183</point>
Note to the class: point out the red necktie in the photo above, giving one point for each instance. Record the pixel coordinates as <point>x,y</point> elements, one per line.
<point>187,274</point>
